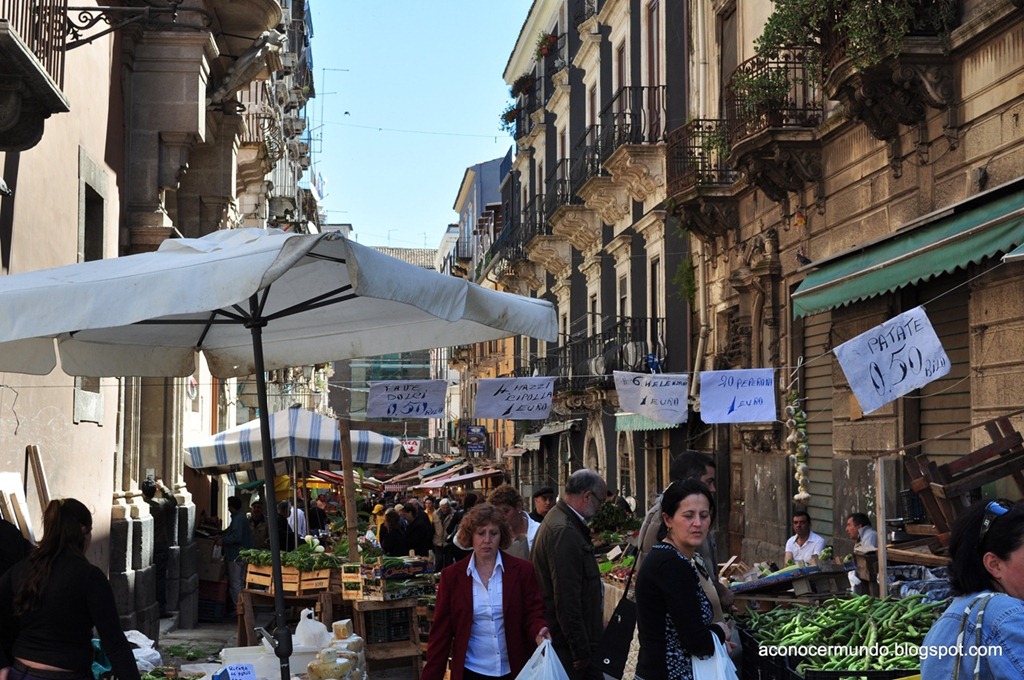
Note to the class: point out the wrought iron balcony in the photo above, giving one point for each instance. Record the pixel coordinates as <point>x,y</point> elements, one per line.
<point>559,188</point>
<point>534,219</point>
<point>698,155</point>
<point>776,92</point>
<point>635,115</point>
<point>40,25</point>
<point>631,344</point>
<point>586,158</point>
<point>588,8</point>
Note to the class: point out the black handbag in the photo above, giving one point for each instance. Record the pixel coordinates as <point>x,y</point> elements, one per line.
<point>613,649</point>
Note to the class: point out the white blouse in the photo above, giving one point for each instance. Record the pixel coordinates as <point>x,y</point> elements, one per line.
<point>487,653</point>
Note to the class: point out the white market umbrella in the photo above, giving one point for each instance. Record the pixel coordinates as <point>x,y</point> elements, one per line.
<point>294,433</point>
<point>251,300</point>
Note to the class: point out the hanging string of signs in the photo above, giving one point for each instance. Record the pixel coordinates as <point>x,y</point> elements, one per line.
<point>881,365</point>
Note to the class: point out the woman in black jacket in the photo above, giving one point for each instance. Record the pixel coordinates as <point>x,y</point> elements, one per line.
<point>50,602</point>
<point>392,535</point>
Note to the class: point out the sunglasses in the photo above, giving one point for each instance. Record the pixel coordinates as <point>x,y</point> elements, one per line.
<point>993,511</point>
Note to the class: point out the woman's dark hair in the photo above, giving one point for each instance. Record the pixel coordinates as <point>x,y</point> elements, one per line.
<point>967,573</point>
<point>66,523</point>
<point>481,515</point>
<point>674,495</point>
<point>392,520</point>
<point>1005,535</point>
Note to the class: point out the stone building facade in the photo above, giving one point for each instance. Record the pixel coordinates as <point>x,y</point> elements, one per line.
<point>692,200</point>
<point>124,126</point>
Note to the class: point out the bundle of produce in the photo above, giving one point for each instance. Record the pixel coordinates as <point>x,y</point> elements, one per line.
<point>862,633</point>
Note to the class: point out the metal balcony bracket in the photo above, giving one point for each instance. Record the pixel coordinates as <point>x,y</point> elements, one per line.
<point>81,19</point>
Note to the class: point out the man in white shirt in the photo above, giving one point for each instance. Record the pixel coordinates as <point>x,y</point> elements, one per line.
<point>805,544</point>
<point>297,522</point>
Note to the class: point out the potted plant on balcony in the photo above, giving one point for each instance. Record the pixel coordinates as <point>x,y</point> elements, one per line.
<point>509,117</point>
<point>866,31</point>
<point>522,85</point>
<point>547,44</point>
<point>762,91</point>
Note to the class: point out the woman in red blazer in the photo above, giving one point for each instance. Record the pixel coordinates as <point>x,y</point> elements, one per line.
<point>480,596</point>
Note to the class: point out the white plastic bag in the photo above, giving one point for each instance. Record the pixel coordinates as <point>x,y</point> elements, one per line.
<point>543,665</point>
<point>716,667</point>
<point>310,632</point>
<point>147,658</point>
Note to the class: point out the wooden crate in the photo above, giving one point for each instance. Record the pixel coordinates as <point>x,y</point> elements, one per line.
<point>293,581</point>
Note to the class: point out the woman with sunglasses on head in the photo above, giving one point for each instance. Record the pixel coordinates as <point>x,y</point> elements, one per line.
<point>983,629</point>
<point>51,601</point>
<point>674,614</point>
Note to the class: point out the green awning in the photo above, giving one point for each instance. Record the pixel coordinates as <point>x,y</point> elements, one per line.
<point>955,239</point>
<point>634,422</point>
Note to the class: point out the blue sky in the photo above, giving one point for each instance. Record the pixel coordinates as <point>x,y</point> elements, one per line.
<point>417,102</point>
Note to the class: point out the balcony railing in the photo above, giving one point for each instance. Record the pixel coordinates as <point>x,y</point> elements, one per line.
<point>535,221</point>
<point>631,344</point>
<point>588,8</point>
<point>560,188</point>
<point>41,25</point>
<point>778,92</point>
<point>586,158</point>
<point>635,115</point>
<point>698,154</point>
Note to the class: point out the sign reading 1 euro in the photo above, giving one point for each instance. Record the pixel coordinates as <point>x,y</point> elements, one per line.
<point>659,396</point>
<point>888,361</point>
<point>406,399</point>
<point>514,398</point>
<point>742,396</point>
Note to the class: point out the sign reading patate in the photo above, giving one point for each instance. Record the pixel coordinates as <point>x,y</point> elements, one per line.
<point>406,399</point>
<point>888,361</point>
<point>742,396</point>
<point>659,396</point>
<point>514,398</point>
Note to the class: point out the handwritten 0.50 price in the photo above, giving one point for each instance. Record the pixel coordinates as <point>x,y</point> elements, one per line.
<point>411,408</point>
<point>904,362</point>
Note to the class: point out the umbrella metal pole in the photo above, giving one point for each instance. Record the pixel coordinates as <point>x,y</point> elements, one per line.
<point>348,474</point>
<point>283,649</point>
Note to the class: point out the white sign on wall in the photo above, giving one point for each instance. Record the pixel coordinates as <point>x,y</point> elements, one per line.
<point>888,361</point>
<point>659,396</point>
<point>743,396</point>
<point>406,399</point>
<point>514,398</point>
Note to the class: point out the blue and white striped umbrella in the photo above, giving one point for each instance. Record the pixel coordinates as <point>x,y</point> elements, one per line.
<point>295,433</point>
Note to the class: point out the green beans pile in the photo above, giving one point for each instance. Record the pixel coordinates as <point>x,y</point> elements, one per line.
<point>879,634</point>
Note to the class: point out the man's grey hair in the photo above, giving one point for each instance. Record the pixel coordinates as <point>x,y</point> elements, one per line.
<point>585,480</point>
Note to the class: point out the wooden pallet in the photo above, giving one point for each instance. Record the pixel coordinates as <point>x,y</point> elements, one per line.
<point>945,490</point>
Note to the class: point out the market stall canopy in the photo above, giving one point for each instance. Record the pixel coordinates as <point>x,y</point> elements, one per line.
<point>456,480</point>
<point>321,296</point>
<point>295,433</point>
<point>250,300</point>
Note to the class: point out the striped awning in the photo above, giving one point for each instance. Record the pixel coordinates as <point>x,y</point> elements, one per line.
<point>634,422</point>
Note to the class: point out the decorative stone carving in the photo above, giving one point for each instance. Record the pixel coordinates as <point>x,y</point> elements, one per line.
<point>641,168</point>
<point>758,439</point>
<point>570,403</point>
<point>552,253</point>
<point>780,163</point>
<point>899,92</point>
<point>607,197</point>
<point>579,226</point>
<point>708,214</point>
<point>257,62</point>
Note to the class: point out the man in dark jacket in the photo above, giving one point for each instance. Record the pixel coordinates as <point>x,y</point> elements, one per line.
<point>563,554</point>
